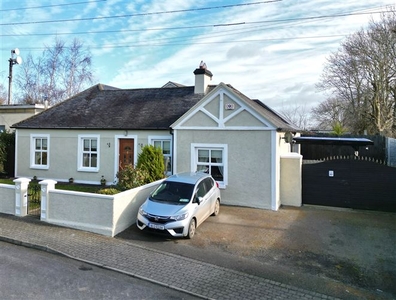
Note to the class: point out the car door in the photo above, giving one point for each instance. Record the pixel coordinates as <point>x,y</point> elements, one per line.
<point>211,194</point>
<point>204,205</point>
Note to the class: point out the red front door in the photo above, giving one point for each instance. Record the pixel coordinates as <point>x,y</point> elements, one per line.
<point>126,153</point>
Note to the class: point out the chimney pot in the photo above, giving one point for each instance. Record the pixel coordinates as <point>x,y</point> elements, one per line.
<point>202,78</point>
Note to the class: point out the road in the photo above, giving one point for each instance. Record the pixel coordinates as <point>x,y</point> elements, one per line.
<point>32,274</point>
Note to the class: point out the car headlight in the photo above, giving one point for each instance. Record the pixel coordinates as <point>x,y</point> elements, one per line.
<point>142,212</point>
<point>179,217</point>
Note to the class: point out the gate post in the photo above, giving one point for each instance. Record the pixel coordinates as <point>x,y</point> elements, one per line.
<point>46,186</point>
<point>21,194</point>
<point>291,179</point>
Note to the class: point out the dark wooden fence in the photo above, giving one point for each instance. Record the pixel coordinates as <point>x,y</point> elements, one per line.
<point>319,152</point>
<point>351,183</point>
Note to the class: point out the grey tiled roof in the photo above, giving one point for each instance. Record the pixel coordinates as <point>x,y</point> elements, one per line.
<point>279,122</point>
<point>106,107</point>
<point>103,107</point>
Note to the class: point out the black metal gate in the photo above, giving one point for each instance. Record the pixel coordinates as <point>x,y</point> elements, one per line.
<point>34,198</point>
<point>350,183</point>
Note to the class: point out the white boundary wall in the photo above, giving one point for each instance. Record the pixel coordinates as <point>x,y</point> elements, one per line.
<point>7,199</point>
<point>103,214</point>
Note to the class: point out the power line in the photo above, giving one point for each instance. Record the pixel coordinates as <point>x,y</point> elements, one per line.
<point>143,14</point>
<point>197,26</point>
<point>52,5</point>
<point>134,45</point>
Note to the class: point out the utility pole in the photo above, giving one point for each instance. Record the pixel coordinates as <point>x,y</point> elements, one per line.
<point>15,59</point>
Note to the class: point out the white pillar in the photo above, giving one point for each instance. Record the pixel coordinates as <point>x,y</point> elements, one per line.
<point>291,179</point>
<point>46,186</point>
<point>21,200</point>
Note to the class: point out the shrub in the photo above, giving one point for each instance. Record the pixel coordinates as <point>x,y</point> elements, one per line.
<point>130,177</point>
<point>338,129</point>
<point>151,160</point>
<point>108,191</point>
<point>7,142</point>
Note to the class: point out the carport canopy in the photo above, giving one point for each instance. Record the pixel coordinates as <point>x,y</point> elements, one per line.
<point>340,141</point>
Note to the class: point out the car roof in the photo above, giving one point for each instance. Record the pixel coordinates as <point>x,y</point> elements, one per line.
<point>188,177</point>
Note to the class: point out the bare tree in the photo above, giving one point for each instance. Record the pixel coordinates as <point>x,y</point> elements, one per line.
<point>298,115</point>
<point>76,68</point>
<point>3,94</point>
<point>60,72</point>
<point>30,80</point>
<point>361,75</point>
<point>330,112</point>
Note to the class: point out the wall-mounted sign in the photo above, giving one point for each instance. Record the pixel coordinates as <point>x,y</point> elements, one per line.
<point>230,106</point>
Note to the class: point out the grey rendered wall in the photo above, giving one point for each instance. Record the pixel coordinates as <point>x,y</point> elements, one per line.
<point>249,163</point>
<point>7,199</point>
<point>64,152</point>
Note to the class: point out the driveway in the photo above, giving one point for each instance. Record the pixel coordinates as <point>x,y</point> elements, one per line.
<point>345,253</point>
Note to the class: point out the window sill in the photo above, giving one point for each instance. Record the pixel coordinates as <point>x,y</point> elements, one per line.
<point>37,167</point>
<point>89,170</point>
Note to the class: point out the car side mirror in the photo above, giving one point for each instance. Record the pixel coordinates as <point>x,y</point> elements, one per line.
<point>198,200</point>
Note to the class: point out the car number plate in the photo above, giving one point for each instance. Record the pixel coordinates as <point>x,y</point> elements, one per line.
<point>156,226</point>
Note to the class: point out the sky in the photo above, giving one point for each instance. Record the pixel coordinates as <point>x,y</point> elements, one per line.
<point>273,50</point>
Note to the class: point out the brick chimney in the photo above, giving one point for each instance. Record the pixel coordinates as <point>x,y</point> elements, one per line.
<point>202,78</point>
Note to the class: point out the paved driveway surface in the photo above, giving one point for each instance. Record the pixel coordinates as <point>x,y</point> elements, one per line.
<point>345,253</point>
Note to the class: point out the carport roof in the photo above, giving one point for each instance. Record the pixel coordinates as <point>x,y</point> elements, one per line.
<point>341,141</point>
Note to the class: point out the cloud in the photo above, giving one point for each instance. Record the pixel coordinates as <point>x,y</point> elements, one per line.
<point>264,50</point>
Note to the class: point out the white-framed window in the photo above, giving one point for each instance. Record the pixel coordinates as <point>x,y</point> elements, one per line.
<point>88,153</point>
<point>39,151</point>
<point>212,159</point>
<point>165,143</point>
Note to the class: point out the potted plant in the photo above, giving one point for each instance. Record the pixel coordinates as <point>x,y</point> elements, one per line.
<point>71,180</point>
<point>103,180</point>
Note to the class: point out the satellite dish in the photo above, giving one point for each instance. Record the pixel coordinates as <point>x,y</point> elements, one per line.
<point>288,137</point>
<point>18,60</point>
<point>15,51</point>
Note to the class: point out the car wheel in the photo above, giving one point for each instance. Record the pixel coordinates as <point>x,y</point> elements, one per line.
<point>217,208</point>
<point>191,229</point>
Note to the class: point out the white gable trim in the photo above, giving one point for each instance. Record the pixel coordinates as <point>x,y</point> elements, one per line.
<point>221,120</point>
<point>217,120</point>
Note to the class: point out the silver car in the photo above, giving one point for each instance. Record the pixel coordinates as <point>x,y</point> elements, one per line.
<point>180,204</point>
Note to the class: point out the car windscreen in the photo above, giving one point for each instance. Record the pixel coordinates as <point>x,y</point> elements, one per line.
<point>173,192</point>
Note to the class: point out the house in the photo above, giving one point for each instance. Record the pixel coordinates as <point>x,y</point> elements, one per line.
<point>11,114</point>
<point>241,142</point>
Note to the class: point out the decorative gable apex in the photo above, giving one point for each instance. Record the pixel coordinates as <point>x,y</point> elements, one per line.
<point>223,109</point>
